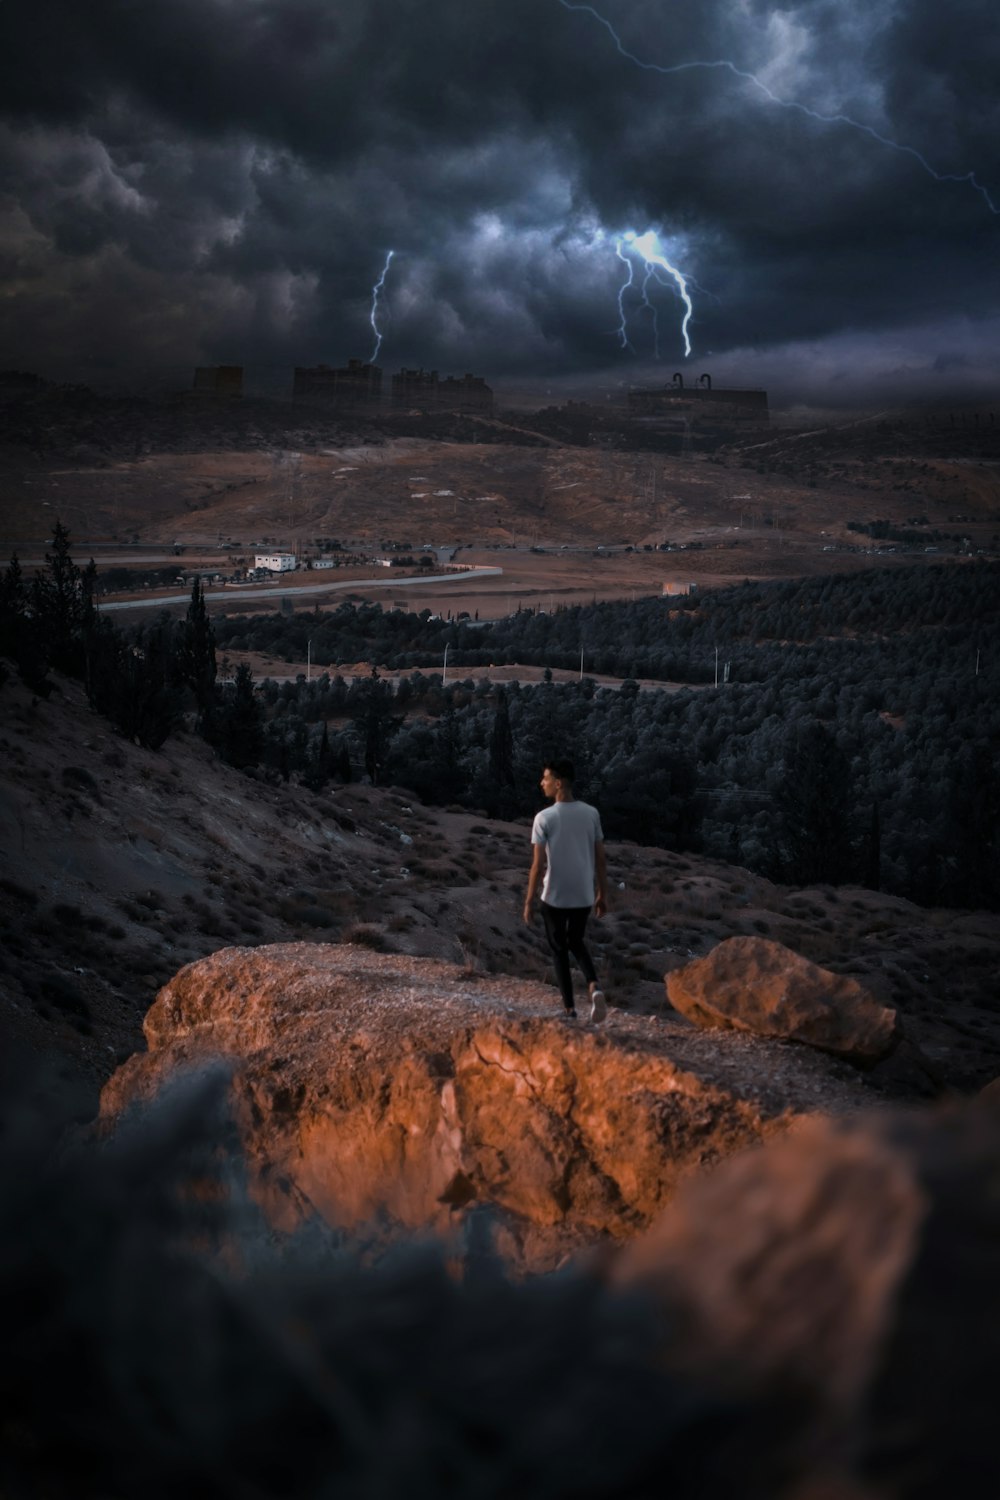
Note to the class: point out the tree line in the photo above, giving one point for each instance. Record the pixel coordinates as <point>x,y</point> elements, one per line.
<point>857,740</point>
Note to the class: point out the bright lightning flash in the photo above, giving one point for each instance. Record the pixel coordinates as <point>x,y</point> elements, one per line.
<point>376,289</point>
<point>648,246</point>
<point>968,179</point>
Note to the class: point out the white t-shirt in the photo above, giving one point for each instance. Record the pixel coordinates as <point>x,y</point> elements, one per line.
<point>569,831</point>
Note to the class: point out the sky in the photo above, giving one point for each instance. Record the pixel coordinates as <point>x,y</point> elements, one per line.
<point>220,181</point>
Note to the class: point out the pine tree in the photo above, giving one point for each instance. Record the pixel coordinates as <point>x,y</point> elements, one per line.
<point>320,770</point>
<point>342,763</point>
<point>375,724</point>
<point>813,822</point>
<point>57,606</point>
<point>13,603</point>
<point>502,744</point>
<point>134,683</point>
<point>239,726</point>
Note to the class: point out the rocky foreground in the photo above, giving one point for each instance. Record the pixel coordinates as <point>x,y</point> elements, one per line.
<point>374,1088</point>
<point>823,1309</point>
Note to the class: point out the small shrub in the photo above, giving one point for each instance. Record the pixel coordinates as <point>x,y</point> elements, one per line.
<point>64,993</point>
<point>133,912</point>
<point>366,936</point>
<point>19,892</point>
<point>315,916</point>
<point>80,777</point>
<point>212,925</point>
<point>69,916</point>
<point>151,900</point>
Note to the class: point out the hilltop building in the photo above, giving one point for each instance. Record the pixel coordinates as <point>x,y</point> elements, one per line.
<point>356,384</point>
<point>417,388</point>
<point>701,407</point>
<point>423,390</point>
<point>219,381</point>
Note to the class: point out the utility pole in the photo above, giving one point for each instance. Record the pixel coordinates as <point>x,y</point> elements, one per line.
<point>717,666</point>
<point>581,664</point>
<point>444,670</point>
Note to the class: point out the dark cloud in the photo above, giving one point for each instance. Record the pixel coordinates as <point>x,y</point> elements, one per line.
<point>241,169</point>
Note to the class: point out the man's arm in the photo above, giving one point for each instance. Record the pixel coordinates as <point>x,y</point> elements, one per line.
<point>601,879</point>
<point>534,879</point>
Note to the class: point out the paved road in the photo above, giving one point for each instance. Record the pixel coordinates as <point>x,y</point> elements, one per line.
<point>124,559</point>
<point>280,591</point>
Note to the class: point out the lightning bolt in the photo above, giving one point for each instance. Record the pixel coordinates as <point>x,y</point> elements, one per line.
<point>649,248</point>
<point>723,65</point>
<point>622,314</point>
<point>375,294</point>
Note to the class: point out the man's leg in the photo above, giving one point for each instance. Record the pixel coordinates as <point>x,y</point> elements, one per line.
<point>555,919</point>
<point>575,928</point>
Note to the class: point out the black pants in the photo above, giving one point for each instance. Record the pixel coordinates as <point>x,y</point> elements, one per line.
<point>564,928</point>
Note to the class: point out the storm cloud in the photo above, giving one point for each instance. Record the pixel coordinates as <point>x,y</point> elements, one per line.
<point>219,180</point>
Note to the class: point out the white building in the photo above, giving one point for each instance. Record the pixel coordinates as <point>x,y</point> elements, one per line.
<point>275,562</point>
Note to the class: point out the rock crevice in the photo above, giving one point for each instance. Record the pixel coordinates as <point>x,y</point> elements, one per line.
<point>380,1088</point>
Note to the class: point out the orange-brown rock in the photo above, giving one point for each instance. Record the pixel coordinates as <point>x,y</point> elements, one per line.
<point>377,1087</point>
<point>752,984</point>
<point>852,1266</point>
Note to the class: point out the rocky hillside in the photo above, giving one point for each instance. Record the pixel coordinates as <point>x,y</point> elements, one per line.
<point>811,1320</point>
<point>121,865</point>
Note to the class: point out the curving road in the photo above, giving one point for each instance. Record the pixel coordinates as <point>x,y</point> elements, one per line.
<point>279,591</point>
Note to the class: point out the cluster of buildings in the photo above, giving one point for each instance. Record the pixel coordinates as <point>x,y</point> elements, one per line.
<point>357,386</point>
<point>700,414</point>
<point>699,405</point>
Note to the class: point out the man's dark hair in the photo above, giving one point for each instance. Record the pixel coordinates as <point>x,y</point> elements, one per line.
<point>562,768</point>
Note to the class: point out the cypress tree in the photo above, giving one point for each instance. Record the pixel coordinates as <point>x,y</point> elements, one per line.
<point>196,654</point>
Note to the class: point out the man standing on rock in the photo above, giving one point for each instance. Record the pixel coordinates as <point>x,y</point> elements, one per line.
<point>568,847</point>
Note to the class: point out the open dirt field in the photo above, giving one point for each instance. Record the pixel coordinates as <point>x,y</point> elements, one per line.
<point>557,520</point>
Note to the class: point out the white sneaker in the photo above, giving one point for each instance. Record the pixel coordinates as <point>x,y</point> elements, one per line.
<point>598,1004</point>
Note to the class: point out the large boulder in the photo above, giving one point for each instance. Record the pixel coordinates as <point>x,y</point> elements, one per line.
<point>850,1269</point>
<point>378,1088</point>
<point>753,984</point>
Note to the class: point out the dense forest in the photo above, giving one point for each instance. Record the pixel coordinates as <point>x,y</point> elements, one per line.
<point>856,738</point>
<point>853,736</point>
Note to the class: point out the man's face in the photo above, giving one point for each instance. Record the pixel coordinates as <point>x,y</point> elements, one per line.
<point>549,784</point>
